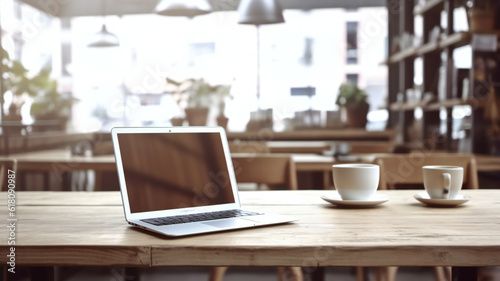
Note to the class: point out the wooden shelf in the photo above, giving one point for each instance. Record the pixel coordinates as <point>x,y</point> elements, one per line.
<point>435,73</point>
<point>446,104</point>
<point>397,57</point>
<point>428,6</point>
<point>455,40</point>
<point>406,106</point>
<point>476,103</point>
<point>428,48</point>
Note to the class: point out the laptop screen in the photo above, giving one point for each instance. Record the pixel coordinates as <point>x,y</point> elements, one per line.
<point>165,171</point>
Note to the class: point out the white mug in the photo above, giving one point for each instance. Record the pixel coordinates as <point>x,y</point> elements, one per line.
<point>356,181</point>
<point>443,182</point>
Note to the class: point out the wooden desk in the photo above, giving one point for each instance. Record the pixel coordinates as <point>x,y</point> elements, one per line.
<point>318,147</point>
<point>84,228</point>
<point>314,135</point>
<point>58,161</point>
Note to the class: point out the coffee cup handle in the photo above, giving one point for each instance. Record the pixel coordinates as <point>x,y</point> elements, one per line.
<point>446,185</point>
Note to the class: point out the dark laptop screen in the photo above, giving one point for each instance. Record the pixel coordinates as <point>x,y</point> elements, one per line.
<point>174,170</point>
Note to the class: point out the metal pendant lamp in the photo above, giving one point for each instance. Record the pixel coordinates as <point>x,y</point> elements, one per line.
<point>104,38</point>
<point>183,8</point>
<point>259,12</point>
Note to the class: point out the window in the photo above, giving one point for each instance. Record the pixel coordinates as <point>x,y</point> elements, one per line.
<point>352,78</point>
<point>125,85</point>
<point>352,42</point>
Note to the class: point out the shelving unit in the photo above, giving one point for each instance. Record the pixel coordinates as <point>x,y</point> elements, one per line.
<point>450,103</point>
<point>437,73</point>
<point>455,40</point>
<point>429,5</point>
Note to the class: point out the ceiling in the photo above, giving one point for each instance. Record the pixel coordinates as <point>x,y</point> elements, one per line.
<point>76,8</point>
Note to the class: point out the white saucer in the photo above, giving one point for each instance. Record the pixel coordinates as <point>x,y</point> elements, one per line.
<point>424,198</point>
<point>335,199</point>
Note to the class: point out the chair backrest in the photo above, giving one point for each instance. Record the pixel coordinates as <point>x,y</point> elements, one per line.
<point>271,169</point>
<point>407,169</point>
<point>248,147</point>
<point>5,166</point>
<point>372,146</point>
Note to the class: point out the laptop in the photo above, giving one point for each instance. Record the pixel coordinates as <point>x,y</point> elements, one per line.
<point>180,181</point>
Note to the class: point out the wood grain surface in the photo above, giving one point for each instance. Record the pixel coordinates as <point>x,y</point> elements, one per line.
<point>78,228</point>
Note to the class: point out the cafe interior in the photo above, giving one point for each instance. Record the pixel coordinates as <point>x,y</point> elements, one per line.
<point>298,87</point>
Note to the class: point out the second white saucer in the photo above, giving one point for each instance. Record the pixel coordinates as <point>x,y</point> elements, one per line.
<point>334,198</point>
<point>424,198</point>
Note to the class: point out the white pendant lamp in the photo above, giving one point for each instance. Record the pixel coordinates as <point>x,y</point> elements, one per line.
<point>183,8</point>
<point>104,38</point>
<point>258,12</point>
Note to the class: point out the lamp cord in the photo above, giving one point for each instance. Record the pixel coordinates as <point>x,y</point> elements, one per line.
<point>258,67</point>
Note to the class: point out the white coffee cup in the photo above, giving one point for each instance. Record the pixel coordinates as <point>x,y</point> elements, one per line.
<point>443,182</point>
<point>356,181</point>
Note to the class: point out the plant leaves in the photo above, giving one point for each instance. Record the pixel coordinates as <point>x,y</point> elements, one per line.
<point>18,69</point>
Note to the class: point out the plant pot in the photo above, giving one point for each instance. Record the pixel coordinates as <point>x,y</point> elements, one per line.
<point>177,121</point>
<point>482,21</point>
<point>356,114</point>
<point>50,122</point>
<point>197,116</point>
<point>222,121</point>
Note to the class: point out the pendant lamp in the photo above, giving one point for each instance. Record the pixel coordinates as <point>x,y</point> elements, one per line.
<point>104,38</point>
<point>258,12</point>
<point>183,8</point>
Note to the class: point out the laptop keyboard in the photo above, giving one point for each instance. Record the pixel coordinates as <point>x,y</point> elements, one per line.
<point>200,217</point>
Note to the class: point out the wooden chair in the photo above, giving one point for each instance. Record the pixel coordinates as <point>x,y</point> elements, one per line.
<point>274,170</point>
<point>372,146</point>
<point>5,166</point>
<point>406,169</point>
<point>251,147</point>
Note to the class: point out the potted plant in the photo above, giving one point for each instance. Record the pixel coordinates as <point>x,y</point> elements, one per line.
<point>222,93</point>
<point>197,96</point>
<point>482,16</point>
<point>14,79</point>
<point>49,104</point>
<point>353,100</point>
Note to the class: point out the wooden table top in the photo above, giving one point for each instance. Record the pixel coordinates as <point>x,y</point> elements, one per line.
<point>315,162</point>
<point>313,135</point>
<point>78,228</point>
<point>61,159</point>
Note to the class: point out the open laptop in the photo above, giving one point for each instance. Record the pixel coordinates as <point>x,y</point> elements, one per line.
<point>180,181</point>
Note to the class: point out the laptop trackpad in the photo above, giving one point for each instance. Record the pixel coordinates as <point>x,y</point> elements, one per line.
<point>230,223</point>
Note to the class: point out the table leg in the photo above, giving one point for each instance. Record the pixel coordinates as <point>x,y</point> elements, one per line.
<point>46,181</point>
<point>42,273</point>
<point>21,180</point>
<point>131,274</point>
<point>9,276</point>
<point>99,176</point>
<point>326,180</point>
<point>66,180</point>
<point>459,273</point>
<point>318,274</point>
